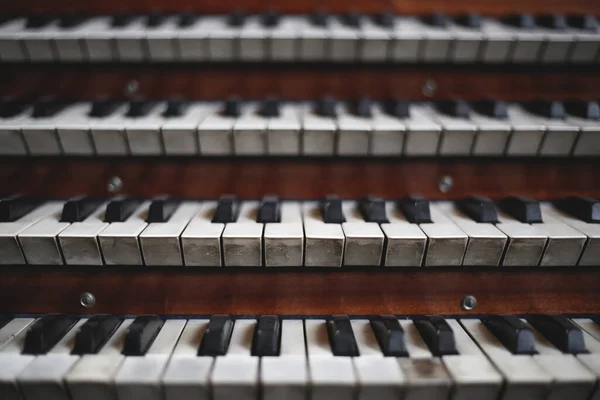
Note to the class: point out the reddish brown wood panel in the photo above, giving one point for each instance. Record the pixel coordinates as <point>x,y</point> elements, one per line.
<point>301,81</point>
<point>490,7</point>
<point>302,179</point>
<point>315,292</point>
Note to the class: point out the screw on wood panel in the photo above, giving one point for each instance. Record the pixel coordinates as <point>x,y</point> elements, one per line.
<point>468,303</point>
<point>131,88</point>
<point>87,300</point>
<point>429,88</point>
<point>445,184</point>
<point>114,185</point>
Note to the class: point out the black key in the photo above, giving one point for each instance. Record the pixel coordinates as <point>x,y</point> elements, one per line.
<point>102,108</point>
<point>269,210</point>
<point>522,21</point>
<point>437,334</point>
<point>363,108</point>
<point>228,209</point>
<point>94,333</point>
<point>232,107</point>
<point>353,19</point>
<point>514,334</point>
<point>385,19</point>
<point>14,207</point>
<point>37,21</point>
<point>552,21</point>
<point>215,341</point>
<point>155,19</point>
<point>162,209</point>
<point>492,108</point>
<point>76,209</point>
<point>270,107</point>
<point>470,20</point>
<point>267,336</point>
<point>547,109</point>
<point>186,19</point>
<point>331,209</point>
<point>71,20</point>
<point>326,107</point>
<point>454,108</point>
<point>175,108</point>
<point>397,108</point>
<point>341,336</point>
<point>236,19</point>
<point>121,20</point>
<point>141,334</point>
<point>415,209</point>
<point>584,208</point>
<point>11,107</point>
<point>373,209</point>
<point>121,208</point>
<point>479,208</point>
<point>46,332</point>
<point>139,108</point>
<point>319,18</point>
<point>561,332</point>
<point>583,109</point>
<point>390,336</point>
<point>584,22</point>
<point>522,208</point>
<point>437,20</point>
<point>48,107</point>
<point>270,19</point>
<point>596,319</point>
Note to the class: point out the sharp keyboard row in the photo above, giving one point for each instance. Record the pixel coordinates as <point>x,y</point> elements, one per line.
<point>104,357</point>
<point>475,231</point>
<point>326,127</point>
<point>351,37</point>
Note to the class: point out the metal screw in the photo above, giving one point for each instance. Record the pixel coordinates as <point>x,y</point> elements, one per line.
<point>131,88</point>
<point>468,303</point>
<point>429,88</point>
<point>87,300</point>
<point>114,185</point>
<point>446,184</point>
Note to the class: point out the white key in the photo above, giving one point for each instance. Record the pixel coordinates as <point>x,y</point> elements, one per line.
<point>446,243</point>
<point>242,240</point>
<point>129,40</point>
<point>343,41</point>
<point>406,242</point>
<point>11,252</point>
<point>527,135</point>
<point>354,133</point>
<point>559,139</point>
<point>186,376</point>
<point>201,239</point>
<point>97,39</point>
<point>499,41</point>
<point>69,44</point>
<point>13,328</point>
<point>160,41</point>
<point>422,134</point>
<point>12,361</point>
<point>591,336</point>
<point>436,45</point>
<point>37,42</point>
<point>236,375</point>
<point>313,40</point>
<point>486,243</point>
<point>387,137</point>
<point>160,240</point>
<point>143,134</point>
<point>283,135</point>
<point>40,241</point>
<point>40,136</point>
<point>283,39</point>
<point>73,130</point>
<point>11,49</point>
<point>364,240</point>
<point>523,377</point>
<point>458,134</point>
<point>525,244</point>
<point>193,41</point>
<point>528,45</point>
<point>284,241</point>
<point>221,38</point>
<point>492,135</point>
<point>319,133</point>
<point>467,43</point>
<point>42,378</point>
<point>588,143</point>
<point>108,133</point>
<point>557,45</point>
<point>286,376</point>
<point>324,242</point>
<point>79,242</point>
<point>374,42</point>
<point>250,132</point>
<point>564,245</point>
<point>12,142</point>
<point>179,134</point>
<point>474,376</point>
<point>407,39</point>
<point>215,133</point>
<point>331,377</point>
<point>119,241</point>
<point>585,46</point>
<point>252,44</point>
<point>140,377</point>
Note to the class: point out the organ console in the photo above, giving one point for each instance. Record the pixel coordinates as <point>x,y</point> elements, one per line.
<point>299,200</point>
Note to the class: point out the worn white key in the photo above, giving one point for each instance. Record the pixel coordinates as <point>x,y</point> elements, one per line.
<point>591,336</point>
<point>354,133</point>
<point>179,134</point>
<point>12,361</point>
<point>40,240</point>
<point>11,252</point>
<point>69,44</point>
<point>37,42</point>
<point>528,45</point>
<point>364,240</point>
<point>97,40</point>
<point>108,133</point>
<point>525,244</point>
<point>40,135</point>
<point>129,40</point>
<point>160,41</point>
<point>436,45</point>
<point>406,242</point>
<point>499,41</point>
<point>250,132</point>
<point>313,40</point>
<point>523,377</point>
<point>559,139</point>
<point>79,241</point>
<point>319,133</point>
<point>407,38</point>
<point>374,41</point>
<point>283,131</point>
<point>492,135</point>
<point>422,134</point>
<point>564,245</point>
<point>588,143</point>
<point>557,45</point>
<point>215,135</point>
<point>143,133</point>
<point>160,240</point>
<point>283,39</point>
<point>119,241</point>
<point>222,37</point>
<point>324,242</point>
<point>466,45</point>
<point>192,41</point>
<point>284,241</point>
<point>387,136</point>
<point>585,47</point>
<point>11,49</point>
<point>527,135</point>
<point>343,41</point>
<point>446,242</point>
<point>12,142</point>
<point>252,40</point>
<point>201,239</point>
<point>73,130</point>
<point>458,134</point>
<point>13,328</point>
<point>242,240</point>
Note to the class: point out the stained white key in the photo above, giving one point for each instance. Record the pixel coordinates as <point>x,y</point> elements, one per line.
<point>283,131</point>
<point>319,133</point>
<point>406,242</point>
<point>525,244</point>
<point>252,40</point>
<point>73,130</point>
<point>557,45</point>
<point>408,36</point>
<point>37,42</point>
<point>527,135</point>
<point>221,38</point>
<point>585,47</point>
<point>559,139</point>
<point>422,134</point>
<point>119,241</point>
<point>284,241</point>
<point>313,40</point>
<point>250,132</point>
<point>458,134</point>
<point>242,240</point>
<point>12,142</point>
<point>13,362</point>
<point>11,252</point>
<point>591,336</point>
<point>215,133</point>
<point>79,242</point>
<point>192,41</point>
<point>324,242</point>
<point>388,133</point>
<point>201,239</point>
<point>160,240</point>
<point>446,242</point>
<point>143,133</point>
<point>69,44</point>
<point>179,134</point>
<point>108,133</point>
<point>492,135</point>
<point>97,40</point>
<point>588,143</point>
<point>499,41</point>
<point>10,45</point>
<point>129,41</point>
<point>160,41</point>
<point>354,133</point>
<point>283,39</point>
<point>528,45</point>
<point>40,136</point>
<point>39,241</point>
<point>364,240</point>
<point>564,245</point>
